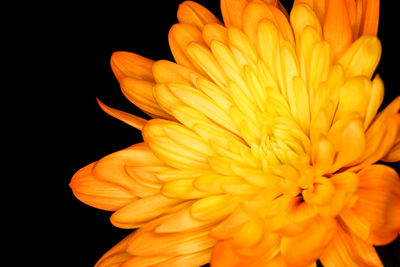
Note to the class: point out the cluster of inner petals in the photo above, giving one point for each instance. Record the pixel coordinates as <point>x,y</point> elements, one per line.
<point>262,145</point>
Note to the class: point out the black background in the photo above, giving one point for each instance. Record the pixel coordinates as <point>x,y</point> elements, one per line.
<point>72,131</point>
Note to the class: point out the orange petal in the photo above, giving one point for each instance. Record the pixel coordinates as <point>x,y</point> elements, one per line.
<point>306,248</point>
<point>142,211</point>
<point>115,256</point>
<point>169,72</point>
<point>370,17</point>
<point>97,193</point>
<point>337,27</point>
<point>214,31</point>
<point>346,249</point>
<point>379,202</point>
<point>317,5</point>
<point>232,12</point>
<point>223,255</point>
<point>126,64</point>
<point>129,119</point>
<point>179,37</point>
<point>140,93</point>
<point>155,244</point>
<point>256,11</point>
<point>192,13</point>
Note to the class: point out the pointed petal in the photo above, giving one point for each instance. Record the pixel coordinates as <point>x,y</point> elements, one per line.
<point>97,193</point>
<point>192,13</point>
<point>129,119</point>
<point>126,64</point>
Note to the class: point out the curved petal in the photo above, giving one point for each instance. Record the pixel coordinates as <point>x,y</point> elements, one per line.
<point>305,248</point>
<point>232,12</point>
<point>98,193</point>
<point>192,13</point>
<point>346,249</point>
<point>127,64</point>
<point>379,202</point>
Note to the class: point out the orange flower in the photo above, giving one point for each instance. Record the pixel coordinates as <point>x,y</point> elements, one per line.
<point>264,142</point>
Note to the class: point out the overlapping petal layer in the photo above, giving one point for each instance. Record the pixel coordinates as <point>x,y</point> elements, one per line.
<point>263,145</point>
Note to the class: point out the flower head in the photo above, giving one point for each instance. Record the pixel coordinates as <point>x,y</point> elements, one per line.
<point>263,145</point>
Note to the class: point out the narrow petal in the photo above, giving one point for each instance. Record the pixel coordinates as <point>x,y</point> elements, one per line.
<point>194,259</point>
<point>214,31</point>
<point>214,207</point>
<point>98,193</point>
<point>129,119</point>
<point>165,71</point>
<point>370,17</point>
<point>126,64</point>
<point>192,13</point>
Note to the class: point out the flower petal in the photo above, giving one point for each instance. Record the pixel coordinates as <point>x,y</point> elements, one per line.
<point>129,119</point>
<point>346,249</point>
<point>126,64</point>
<point>305,248</point>
<point>370,17</point>
<point>232,12</point>
<point>379,202</point>
<point>337,27</point>
<point>98,193</point>
<point>192,13</point>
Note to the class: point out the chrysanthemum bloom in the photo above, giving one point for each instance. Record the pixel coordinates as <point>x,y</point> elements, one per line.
<point>264,145</point>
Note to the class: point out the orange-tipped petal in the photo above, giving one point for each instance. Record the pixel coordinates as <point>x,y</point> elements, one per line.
<point>346,249</point>
<point>129,119</point>
<point>232,12</point>
<point>126,64</point>
<point>192,13</point>
<point>379,202</point>
<point>337,27</point>
<point>370,17</point>
<point>98,193</point>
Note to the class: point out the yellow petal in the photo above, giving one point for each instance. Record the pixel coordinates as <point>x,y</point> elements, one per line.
<point>126,64</point>
<point>165,71</point>
<point>228,227</point>
<point>182,189</point>
<point>375,100</point>
<point>249,233</point>
<point>323,155</point>
<point>362,57</point>
<point>213,207</point>
<point>192,13</point>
